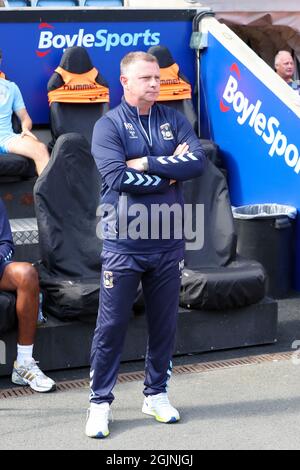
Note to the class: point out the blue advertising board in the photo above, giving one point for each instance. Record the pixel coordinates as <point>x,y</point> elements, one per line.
<point>33,46</point>
<point>258,134</point>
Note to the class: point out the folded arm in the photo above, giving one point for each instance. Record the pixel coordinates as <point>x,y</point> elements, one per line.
<point>187,161</point>
<point>108,152</point>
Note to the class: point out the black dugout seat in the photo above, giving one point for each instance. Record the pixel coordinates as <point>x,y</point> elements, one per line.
<point>15,167</point>
<point>7,311</point>
<point>175,88</point>
<point>215,277</point>
<point>75,107</point>
<point>66,198</point>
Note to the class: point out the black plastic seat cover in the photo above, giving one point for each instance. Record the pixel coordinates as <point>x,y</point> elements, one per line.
<point>215,277</point>
<point>8,315</point>
<point>240,284</point>
<point>66,198</point>
<point>12,164</point>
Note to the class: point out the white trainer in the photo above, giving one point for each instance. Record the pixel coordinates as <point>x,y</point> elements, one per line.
<point>160,407</point>
<point>30,374</point>
<point>98,418</point>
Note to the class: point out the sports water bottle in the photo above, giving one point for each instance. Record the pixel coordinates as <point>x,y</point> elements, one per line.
<point>41,319</point>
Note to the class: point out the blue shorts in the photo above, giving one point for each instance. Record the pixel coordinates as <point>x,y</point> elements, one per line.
<point>5,140</point>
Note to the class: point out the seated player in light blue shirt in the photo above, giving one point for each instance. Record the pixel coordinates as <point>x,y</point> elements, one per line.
<point>26,143</point>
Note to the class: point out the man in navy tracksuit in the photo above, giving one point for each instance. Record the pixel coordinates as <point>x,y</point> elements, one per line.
<point>143,151</point>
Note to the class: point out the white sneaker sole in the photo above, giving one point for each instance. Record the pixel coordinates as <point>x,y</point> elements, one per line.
<point>99,435</point>
<point>148,411</point>
<point>17,380</point>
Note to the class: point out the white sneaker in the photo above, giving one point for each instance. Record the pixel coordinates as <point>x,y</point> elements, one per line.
<point>98,418</point>
<point>30,374</point>
<point>160,407</point>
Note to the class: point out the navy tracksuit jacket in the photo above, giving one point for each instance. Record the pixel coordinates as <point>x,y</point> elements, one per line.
<point>6,240</point>
<point>122,134</point>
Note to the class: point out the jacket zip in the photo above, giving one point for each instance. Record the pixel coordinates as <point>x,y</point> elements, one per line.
<point>149,137</point>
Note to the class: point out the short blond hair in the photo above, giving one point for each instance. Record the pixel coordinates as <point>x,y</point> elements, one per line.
<point>133,57</point>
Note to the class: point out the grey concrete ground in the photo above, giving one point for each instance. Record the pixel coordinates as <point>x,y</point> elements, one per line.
<point>247,407</point>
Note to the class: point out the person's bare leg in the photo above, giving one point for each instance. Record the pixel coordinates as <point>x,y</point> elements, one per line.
<point>30,148</point>
<point>23,278</point>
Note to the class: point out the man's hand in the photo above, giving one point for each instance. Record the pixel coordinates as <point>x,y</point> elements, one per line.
<point>181,149</point>
<point>26,132</point>
<point>136,164</point>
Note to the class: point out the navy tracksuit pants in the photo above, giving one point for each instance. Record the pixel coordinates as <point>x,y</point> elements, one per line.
<point>121,274</point>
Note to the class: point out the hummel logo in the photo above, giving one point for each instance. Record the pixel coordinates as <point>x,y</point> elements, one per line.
<point>130,129</point>
<point>174,158</point>
<point>144,180</point>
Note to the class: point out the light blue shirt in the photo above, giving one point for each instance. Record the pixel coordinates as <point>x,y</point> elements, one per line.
<point>10,101</point>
